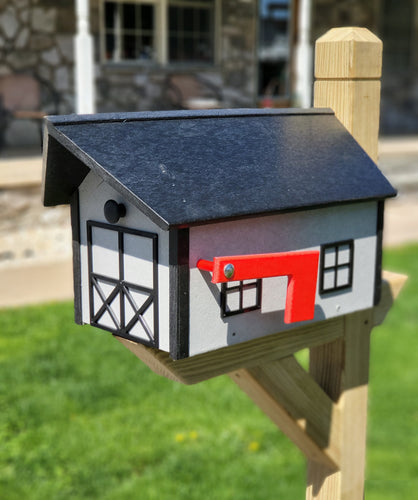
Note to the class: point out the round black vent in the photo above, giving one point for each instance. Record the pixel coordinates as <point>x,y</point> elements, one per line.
<point>113,211</point>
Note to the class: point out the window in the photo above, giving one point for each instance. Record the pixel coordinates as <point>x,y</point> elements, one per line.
<point>336,271</point>
<point>190,25</point>
<point>240,296</point>
<point>129,31</point>
<point>159,30</point>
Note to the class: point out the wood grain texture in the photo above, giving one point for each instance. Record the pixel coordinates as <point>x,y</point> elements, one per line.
<point>211,364</point>
<point>344,364</point>
<point>348,68</point>
<point>348,65</point>
<point>358,111</point>
<point>297,405</point>
<point>392,284</point>
<point>348,53</point>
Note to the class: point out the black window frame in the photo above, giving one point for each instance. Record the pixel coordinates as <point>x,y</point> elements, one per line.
<point>336,266</point>
<point>241,288</point>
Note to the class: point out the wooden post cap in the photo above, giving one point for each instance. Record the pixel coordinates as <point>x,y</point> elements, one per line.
<point>347,53</point>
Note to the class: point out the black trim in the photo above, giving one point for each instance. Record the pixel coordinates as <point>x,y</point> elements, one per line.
<point>63,172</point>
<point>240,288</point>
<point>336,266</point>
<point>122,288</point>
<point>179,293</point>
<point>75,228</point>
<point>379,253</point>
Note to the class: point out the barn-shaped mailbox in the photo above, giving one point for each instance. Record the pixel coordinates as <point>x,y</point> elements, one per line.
<point>197,230</point>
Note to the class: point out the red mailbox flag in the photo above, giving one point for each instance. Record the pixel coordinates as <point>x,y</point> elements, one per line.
<point>300,267</point>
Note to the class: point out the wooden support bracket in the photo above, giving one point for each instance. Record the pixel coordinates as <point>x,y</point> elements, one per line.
<point>259,351</point>
<point>297,405</point>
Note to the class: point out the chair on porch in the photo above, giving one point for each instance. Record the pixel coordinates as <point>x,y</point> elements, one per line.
<point>25,96</point>
<point>191,91</point>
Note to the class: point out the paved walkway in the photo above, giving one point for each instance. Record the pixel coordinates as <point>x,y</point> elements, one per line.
<point>401,221</point>
<point>398,159</point>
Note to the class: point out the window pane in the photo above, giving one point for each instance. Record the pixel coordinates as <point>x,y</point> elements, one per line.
<point>110,47</point>
<point>204,20</point>
<point>232,301</point>
<point>110,11</point>
<point>147,17</point>
<point>146,47</point>
<point>173,48</point>
<point>329,279</point>
<point>189,48</point>
<point>188,20</point>
<point>330,257</point>
<point>205,52</point>
<point>249,297</point>
<point>343,254</point>
<point>129,47</point>
<point>173,19</point>
<point>343,276</point>
<point>128,16</point>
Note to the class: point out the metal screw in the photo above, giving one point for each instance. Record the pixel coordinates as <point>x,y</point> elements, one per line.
<point>229,270</point>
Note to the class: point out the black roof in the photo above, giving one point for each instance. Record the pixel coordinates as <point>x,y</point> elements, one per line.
<point>184,168</point>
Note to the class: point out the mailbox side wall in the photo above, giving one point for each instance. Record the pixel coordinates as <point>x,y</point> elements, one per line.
<point>280,233</point>
<point>93,194</point>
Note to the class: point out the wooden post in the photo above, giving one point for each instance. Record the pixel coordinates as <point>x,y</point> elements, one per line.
<point>347,67</point>
<point>324,412</point>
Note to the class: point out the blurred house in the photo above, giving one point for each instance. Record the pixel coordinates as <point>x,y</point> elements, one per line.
<point>170,54</point>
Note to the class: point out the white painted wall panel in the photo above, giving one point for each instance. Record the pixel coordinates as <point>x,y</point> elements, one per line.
<point>93,194</point>
<point>279,233</point>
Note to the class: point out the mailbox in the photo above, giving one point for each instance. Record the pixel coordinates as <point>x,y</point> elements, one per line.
<point>197,230</point>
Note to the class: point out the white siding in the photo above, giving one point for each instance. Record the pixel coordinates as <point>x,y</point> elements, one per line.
<point>279,233</point>
<point>93,194</point>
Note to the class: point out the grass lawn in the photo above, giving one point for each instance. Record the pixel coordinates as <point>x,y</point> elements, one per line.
<point>82,418</point>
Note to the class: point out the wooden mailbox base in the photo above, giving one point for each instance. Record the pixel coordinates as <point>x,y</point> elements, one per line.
<point>324,412</point>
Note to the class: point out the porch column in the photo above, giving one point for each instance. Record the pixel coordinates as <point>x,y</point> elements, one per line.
<point>304,56</point>
<point>84,61</point>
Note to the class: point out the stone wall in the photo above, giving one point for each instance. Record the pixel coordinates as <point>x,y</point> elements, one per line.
<point>36,38</point>
<point>397,26</point>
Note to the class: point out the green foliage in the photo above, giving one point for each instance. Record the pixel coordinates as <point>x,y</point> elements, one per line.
<point>393,402</point>
<point>82,418</point>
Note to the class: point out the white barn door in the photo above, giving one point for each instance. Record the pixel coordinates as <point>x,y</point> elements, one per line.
<point>123,281</point>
